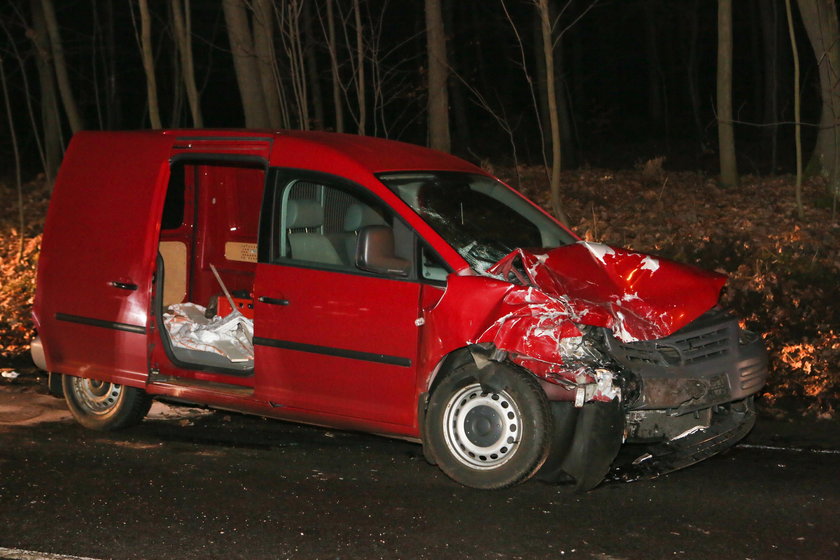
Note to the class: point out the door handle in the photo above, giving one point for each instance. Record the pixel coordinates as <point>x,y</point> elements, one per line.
<point>124,285</point>
<point>273,301</point>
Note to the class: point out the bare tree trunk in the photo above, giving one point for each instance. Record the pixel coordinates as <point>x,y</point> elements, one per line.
<point>176,118</point>
<point>312,73</point>
<point>50,118</point>
<point>94,53</point>
<point>564,107</point>
<point>820,20</point>
<point>726,132</point>
<point>757,55</point>
<point>113,101</point>
<point>458,105</point>
<point>378,95</point>
<point>540,79</point>
<point>149,64</point>
<point>769,17</point>
<point>245,64</point>
<point>438,70</point>
<point>691,72</point>
<point>554,120</point>
<point>266,60</point>
<point>564,114</point>
<point>338,102</point>
<point>16,154</point>
<point>361,86</point>
<point>290,32</point>
<point>60,64</point>
<point>797,109</point>
<point>183,42</point>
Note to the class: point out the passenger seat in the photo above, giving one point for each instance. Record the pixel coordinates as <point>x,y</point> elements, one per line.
<point>309,246</point>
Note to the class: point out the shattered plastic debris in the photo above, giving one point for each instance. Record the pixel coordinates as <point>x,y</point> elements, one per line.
<point>689,432</point>
<point>693,445</point>
<point>230,336</point>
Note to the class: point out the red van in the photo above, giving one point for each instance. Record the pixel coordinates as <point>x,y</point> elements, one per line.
<point>372,285</point>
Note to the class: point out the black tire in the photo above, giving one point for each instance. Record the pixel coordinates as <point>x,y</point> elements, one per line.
<point>100,405</point>
<point>488,430</point>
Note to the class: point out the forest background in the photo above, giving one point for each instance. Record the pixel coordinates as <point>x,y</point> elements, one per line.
<point>707,131</point>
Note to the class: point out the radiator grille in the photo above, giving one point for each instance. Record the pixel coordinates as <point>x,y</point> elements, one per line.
<point>697,343</point>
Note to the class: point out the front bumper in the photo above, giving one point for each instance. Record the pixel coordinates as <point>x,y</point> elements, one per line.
<point>711,361</point>
<point>726,426</point>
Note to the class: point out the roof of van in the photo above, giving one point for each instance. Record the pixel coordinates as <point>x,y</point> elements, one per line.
<point>331,150</point>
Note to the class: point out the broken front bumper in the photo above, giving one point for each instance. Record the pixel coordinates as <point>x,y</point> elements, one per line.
<point>727,426</point>
<point>687,397</point>
<point>711,361</point>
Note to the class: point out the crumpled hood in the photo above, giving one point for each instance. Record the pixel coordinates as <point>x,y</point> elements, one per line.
<point>531,304</point>
<point>637,296</point>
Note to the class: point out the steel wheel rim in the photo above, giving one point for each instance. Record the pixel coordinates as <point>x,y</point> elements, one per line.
<point>96,397</point>
<point>482,429</point>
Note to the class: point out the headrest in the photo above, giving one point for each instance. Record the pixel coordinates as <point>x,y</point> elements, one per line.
<point>304,214</point>
<point>359,215</point>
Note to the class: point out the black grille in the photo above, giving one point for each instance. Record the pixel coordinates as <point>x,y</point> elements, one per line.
<point>712,336</point>
<point>705,346</point>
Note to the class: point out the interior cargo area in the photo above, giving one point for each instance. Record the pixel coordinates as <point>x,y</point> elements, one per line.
<point>208,252</point>
<point>207,259</point>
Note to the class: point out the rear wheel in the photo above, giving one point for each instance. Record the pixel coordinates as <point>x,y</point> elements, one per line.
<point>488,434</point>
<point>101,405</point>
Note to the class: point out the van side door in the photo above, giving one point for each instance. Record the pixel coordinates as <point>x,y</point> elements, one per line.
<point>97,258</point>
<point>329,337</point>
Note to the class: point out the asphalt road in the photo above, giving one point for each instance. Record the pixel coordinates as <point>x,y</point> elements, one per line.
<point>195,484</point>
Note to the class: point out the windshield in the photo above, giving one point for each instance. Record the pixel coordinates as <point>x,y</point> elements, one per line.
<point>478,216</point>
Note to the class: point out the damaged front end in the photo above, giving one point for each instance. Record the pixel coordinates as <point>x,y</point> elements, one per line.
<point>695,392</point>
<point>629,349</point>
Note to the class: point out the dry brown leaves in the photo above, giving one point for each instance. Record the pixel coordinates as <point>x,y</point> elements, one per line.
<point>18,261</point>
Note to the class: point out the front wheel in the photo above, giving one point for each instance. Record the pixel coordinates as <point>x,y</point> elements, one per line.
<point>101,405</point>
<point>488,433</point>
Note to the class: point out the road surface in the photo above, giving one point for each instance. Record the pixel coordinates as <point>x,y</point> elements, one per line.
<point>194,484</point>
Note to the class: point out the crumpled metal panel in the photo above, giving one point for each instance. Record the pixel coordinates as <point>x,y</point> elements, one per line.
<point>637,296</point>
<point>536,320</point>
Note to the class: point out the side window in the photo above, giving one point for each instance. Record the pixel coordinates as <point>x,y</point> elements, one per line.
<point>319,225</point>
<point>431,267</point>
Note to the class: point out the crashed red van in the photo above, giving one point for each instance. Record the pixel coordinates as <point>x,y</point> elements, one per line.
<point>372,285</point>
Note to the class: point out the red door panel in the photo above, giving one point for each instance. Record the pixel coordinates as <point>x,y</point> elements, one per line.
<point>334,342</point>
<point>98,251</point>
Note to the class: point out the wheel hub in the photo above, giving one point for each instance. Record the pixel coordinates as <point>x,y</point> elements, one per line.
<point>482,428</point>
<point>97,397</point>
